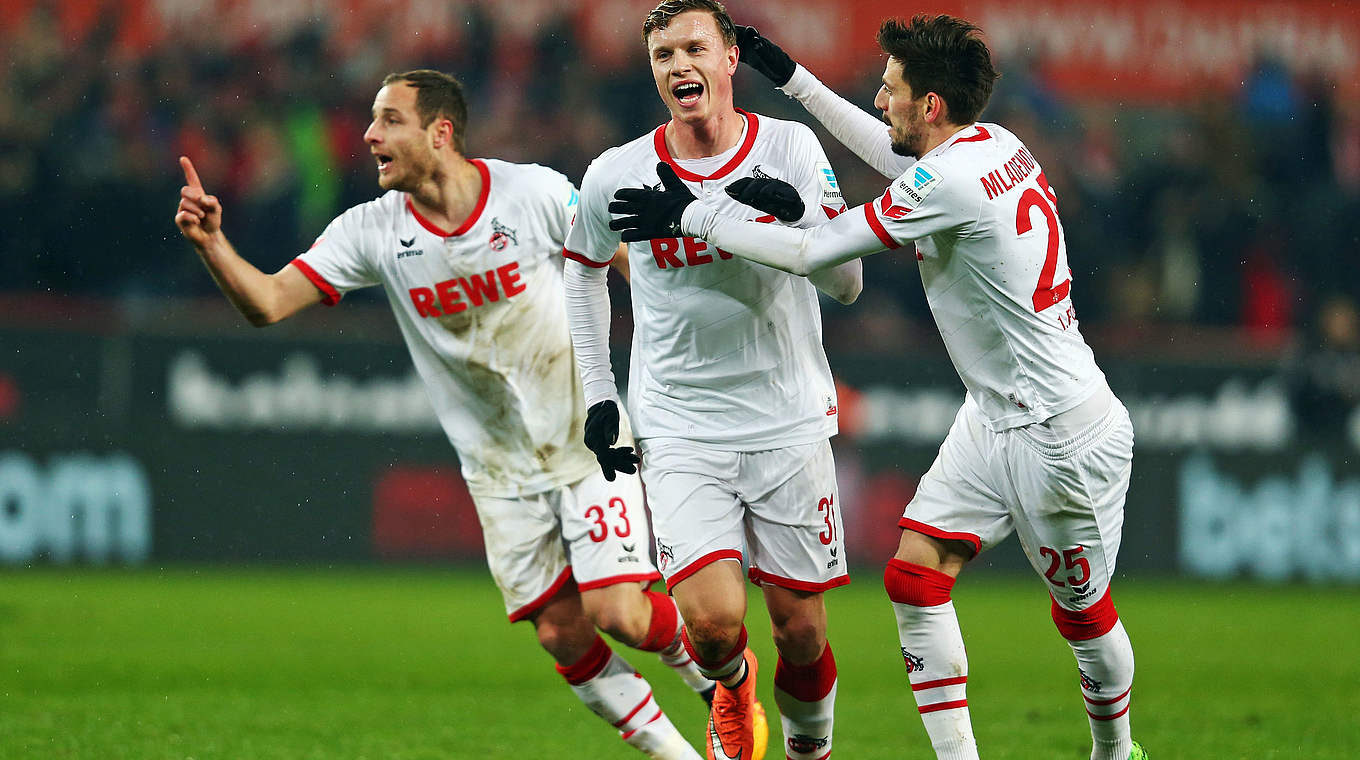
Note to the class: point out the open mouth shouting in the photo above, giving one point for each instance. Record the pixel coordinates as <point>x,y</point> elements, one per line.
<point>687,93</point>
<point>384,162</point>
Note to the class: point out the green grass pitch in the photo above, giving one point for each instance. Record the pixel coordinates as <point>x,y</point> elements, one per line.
<point>412,664</point>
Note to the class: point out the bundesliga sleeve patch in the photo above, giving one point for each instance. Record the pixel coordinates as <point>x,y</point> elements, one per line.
<point>831,189</point>
<point>918,182</point>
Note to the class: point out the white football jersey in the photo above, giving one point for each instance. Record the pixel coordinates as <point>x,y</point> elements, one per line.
<point>725,352</point>
<point>993,259</point>
<point>482,312</point>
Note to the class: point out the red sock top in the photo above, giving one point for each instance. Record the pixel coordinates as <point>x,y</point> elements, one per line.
<point>807,683</point>
<point>664,625</point>
<point>916,585</point>
<point>589,665</point>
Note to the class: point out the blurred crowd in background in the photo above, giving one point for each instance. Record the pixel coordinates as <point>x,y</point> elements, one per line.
<point>1237,209</point>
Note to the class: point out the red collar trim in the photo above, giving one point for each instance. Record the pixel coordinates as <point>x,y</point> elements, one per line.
<point>476,210</point>
<point>663,153</point>
<point>982,134</point>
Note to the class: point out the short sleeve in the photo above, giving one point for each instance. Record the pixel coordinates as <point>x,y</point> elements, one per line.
<point>590,241</point>
<point>336,263</point>
<point>818,186</point>
<point>919,203</point>
<point>564,201</point>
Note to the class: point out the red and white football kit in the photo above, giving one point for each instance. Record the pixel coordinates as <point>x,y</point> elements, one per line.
<point>730,393</point>
<point>482,313</point>
<point>1041,446</point>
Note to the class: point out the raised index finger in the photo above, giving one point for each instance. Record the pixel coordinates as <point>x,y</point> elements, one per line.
<point>190,175</point>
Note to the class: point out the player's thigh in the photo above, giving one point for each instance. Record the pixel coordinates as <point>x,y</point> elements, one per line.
<point>793,522</point>
<point>606,531</point>
<point>1070,506</point>
<point>696,514</point>
<point>523,549</point>
<point>961,500</point>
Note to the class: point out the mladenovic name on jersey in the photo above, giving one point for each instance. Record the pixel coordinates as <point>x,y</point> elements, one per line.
<point>1004,178</point>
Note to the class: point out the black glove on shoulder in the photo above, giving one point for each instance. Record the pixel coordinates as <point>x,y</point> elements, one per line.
<point>773,196</point>
<point>765,56</point>
<point>602,430</point>
<point>649,214</point>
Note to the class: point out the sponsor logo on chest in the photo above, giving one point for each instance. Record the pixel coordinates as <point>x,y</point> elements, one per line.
<point>458,294</point>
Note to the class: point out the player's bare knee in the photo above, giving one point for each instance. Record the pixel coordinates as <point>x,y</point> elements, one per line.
<point>619,623</point>
<point>566,643</point>
<point>713,637</point>
<point>800,640</point>
<point>945,555</point>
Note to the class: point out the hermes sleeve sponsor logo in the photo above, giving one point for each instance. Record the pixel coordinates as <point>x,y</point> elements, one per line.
<point>502,235</point>
<point>922,181</point>
<point>459,293</point>
<point>826,178</point>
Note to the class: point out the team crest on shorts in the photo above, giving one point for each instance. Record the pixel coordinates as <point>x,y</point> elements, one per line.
<point>664,555</point>
<point>501,236</point>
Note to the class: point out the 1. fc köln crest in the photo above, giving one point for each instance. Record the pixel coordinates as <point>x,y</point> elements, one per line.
<point>501,236</point>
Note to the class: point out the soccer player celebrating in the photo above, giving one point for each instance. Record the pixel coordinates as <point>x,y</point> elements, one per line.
<point>1041,446</point>
<point>730,392</point>
<point>468,252</point>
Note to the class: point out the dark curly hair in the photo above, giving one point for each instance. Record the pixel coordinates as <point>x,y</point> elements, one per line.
<point>944,55</point>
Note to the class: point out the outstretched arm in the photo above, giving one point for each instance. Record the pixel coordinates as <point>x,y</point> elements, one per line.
<point>824,250</point>
<point>262,298</point>
<point>853,127</point>
<point>645,214</point>
<point>780,199</point>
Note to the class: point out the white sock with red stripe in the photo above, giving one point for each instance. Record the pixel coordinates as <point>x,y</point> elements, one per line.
<point>614,691</point>
<point>1105,660</point>
<point>806,695</point>
<point>932,648</point>
<point>663,637</point>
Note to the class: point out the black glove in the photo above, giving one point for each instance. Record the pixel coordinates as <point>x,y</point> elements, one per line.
<point>650,214</point>
<point>764,56</point>
<point>602,430</point>
<point>773,196</point>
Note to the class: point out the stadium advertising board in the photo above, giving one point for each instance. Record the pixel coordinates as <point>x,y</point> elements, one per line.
<point>136,447</point>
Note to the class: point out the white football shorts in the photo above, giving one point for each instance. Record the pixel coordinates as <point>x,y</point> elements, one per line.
<point>777,510</point>
<point>1061,491</point>
<point>593,532</point>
